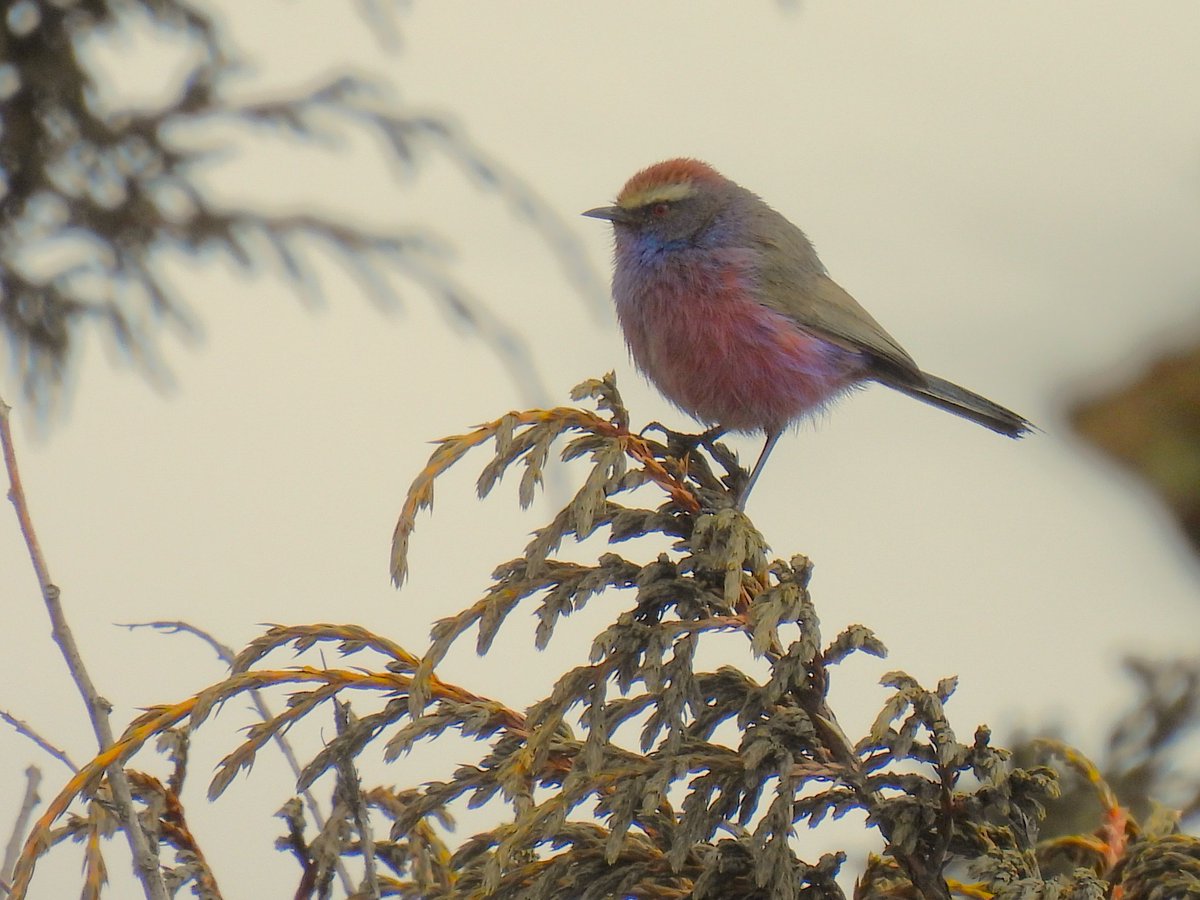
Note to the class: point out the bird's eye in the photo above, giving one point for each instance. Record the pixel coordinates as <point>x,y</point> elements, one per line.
<point>660,209</point>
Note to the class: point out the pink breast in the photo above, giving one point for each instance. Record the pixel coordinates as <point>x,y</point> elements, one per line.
<point>721,356</point>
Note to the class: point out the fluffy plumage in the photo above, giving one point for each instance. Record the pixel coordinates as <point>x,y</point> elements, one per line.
<point>727,309</point>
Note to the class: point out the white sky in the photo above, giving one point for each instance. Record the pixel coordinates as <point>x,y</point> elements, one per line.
<point>1011,190</point>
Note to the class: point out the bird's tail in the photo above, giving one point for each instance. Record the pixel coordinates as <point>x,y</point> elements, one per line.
<point>958,400</point>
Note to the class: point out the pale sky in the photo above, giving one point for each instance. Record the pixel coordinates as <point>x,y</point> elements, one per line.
<point>1011,190</point>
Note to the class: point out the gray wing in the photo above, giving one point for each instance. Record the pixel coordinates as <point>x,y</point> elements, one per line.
<point>796,285</point>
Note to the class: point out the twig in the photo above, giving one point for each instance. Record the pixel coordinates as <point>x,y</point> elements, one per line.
<point>223,650</point>
<point>292,814</point>
<point>227,655</point>
<point>353,796</point>
<point>24,728</point>
<point>145,859</point>
<point>33,777</point>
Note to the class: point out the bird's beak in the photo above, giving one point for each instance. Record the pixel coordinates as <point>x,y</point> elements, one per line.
<point>615,214</point>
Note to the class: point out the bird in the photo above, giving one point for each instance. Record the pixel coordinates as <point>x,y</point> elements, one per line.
<point>727,309</point>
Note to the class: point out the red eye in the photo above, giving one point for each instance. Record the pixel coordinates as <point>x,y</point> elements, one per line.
<point>660,209</point>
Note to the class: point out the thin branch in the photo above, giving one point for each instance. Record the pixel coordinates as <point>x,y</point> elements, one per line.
<point>223,650</point>
<point>24,728</point>
<point>145,859</point>
<point>351,790</point>
<point>381,22</point>
<point>33,777</point>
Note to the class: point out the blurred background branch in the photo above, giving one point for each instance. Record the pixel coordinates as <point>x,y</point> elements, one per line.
<point>1151,427</point>
<point>100,189</point>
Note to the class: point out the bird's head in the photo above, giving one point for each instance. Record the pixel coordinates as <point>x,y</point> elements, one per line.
<point>670,204</point>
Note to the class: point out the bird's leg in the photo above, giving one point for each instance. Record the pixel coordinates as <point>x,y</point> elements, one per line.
<point>772,437</point>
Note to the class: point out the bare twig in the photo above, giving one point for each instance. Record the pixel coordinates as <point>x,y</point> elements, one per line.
<point>33,777</point>
<point>223,650</point>
<point>145,859</point>
<point>24,728</point>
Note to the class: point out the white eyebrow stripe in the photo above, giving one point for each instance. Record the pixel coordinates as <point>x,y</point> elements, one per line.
<point>657,194</point>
